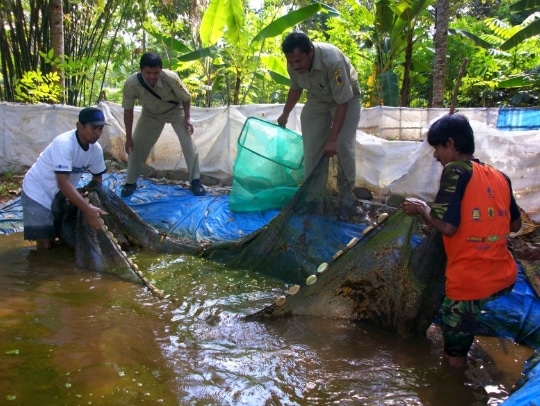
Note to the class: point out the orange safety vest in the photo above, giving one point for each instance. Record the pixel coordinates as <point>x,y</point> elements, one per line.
<point>479,263</point>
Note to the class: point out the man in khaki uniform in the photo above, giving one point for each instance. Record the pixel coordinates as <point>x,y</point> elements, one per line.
<point>331,114</point>
<point>164,99</point>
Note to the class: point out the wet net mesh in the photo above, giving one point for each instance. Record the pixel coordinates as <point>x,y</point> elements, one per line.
<point>379,265</point>
<point>320,220</point>
<point>353,258</point>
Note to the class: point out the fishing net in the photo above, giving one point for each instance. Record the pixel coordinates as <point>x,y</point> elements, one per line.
<point>351,258</point>
<point>321,218</point>
<point>123,232</point>
<point>344,257</point>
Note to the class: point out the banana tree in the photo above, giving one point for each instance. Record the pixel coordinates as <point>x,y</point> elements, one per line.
<point>393,35</point>
<point>529,30</point>
<point>230,54</point>
<point>512,46</point>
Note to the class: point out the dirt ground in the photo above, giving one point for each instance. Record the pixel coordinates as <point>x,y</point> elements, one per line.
<point>526,243</point>
<point>10,186</point>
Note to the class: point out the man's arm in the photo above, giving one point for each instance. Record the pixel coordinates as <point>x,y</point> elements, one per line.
<point>95,181</point>
<point>413,207</point>
<point>187,116</point>
<point>91,213</point>
<point>330,147</point>
<point>515,225</point>
<point>292,98</point>
<point>128,123</point>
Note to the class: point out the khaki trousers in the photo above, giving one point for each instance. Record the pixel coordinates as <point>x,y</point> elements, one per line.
<point>316,120</point>
<point>146,133</point>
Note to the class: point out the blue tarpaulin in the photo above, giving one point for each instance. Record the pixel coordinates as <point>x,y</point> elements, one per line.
<point>11,217</point>
<point>517,316</point>
<point>170,208</point>
<point>518,119</point>
<point>178,212</point>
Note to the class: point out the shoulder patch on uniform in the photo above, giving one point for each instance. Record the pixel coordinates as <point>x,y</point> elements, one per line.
<point>181,85</point>
<point>338,77</point>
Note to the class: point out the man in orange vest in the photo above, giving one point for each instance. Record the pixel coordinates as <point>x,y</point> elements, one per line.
<point>475,211</point>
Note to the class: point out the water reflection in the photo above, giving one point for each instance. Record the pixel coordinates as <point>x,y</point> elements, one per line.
<point>68,336</point>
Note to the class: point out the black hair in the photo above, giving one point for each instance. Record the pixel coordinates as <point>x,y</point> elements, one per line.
<point>455,126</point>
<point>296,39</point>
<point>151,60</point>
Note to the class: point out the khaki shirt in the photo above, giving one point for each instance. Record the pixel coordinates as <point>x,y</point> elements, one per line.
<point>168,87</point>
<point>332,78</point>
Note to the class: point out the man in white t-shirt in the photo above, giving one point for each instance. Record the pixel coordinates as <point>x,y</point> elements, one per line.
<point>57,171</point>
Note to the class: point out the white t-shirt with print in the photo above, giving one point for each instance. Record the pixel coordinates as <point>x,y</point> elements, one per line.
<point>63,155</point>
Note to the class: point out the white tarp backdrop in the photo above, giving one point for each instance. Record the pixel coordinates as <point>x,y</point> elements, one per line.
<point>391,156</point>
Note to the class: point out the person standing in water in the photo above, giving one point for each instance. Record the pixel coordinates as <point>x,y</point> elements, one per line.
<point>55,175</point>
<point>475,211</point>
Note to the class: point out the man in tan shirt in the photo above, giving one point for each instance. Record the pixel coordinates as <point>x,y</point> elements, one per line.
<point>330,117</point>
<point>164,99</point>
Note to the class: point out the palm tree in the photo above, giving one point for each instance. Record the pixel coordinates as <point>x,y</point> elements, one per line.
<point>57,36</point>
<point>440,42</point>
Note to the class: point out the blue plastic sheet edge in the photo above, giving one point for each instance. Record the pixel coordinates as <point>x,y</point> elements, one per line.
<point>517,316</point>
<point>518,119</point>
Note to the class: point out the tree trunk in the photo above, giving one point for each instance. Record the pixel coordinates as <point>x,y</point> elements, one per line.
<point>405,96</point>
<point>57,38</point>
<point>23,32</point>
<point>237,85</point>
<point>440,43</point>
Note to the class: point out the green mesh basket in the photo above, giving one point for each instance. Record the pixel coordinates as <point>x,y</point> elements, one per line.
<point>269,167</point>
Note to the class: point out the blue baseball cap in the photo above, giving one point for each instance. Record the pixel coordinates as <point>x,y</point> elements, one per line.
<point>92,116</point>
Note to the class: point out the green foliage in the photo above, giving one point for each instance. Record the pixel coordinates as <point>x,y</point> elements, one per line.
<point>8,185</point>
<point>496,76</point>
<point>231,66</point>
<point>227,53</point>
<point>8,174</point>
<point>239,61</point>
<point>222,17</point>
<point>530,28</point>
<point>527,79</point>
<point>6,190</point>
<point>276,69</point>
<point>282,24</point>
<point>75,71</point>
<point>171,42</point>
<point>36,87</point>
<point>525,5</point>
<point>90,39</point>
<point>389,86</point>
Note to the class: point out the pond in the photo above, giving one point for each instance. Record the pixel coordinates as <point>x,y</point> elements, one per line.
<point>72,337</point>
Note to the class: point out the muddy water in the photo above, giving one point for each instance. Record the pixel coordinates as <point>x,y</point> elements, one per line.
<point>71,337</point>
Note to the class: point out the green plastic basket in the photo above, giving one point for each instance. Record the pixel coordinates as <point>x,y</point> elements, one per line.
<point>269,167</point>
